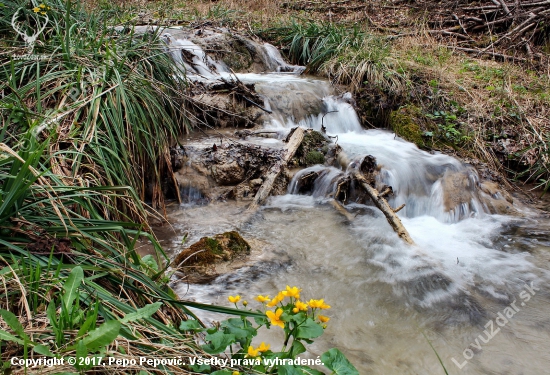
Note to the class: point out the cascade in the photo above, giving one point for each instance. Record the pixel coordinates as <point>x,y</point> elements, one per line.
<point>468,263</point>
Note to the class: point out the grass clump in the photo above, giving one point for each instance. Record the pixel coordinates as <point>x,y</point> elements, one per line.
<point>110,101</point>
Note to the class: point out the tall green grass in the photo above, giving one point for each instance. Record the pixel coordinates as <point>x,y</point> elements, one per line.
<point>111,100</point>
<point>346,55</point>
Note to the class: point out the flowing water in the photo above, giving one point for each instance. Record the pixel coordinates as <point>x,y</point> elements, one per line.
<point>389,300</point>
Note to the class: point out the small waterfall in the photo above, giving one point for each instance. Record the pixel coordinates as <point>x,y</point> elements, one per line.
<point>275,62</point>
<point>428,184</point>
<point>201,65</point>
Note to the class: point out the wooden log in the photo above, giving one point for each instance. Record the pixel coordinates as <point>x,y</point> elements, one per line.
<point>288,153</point>
<point>342,210</point>
<point>383,206</point>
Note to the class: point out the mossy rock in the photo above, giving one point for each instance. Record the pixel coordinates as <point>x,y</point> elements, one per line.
<point>240,58</point>
<point>207,250</point>
<point>314,157</point>
<point>312,150</point>
<point>407,123</point>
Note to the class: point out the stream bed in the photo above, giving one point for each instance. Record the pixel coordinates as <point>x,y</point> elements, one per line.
<point>473,286</point>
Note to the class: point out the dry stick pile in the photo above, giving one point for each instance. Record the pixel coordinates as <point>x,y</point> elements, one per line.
<point>512,25</point>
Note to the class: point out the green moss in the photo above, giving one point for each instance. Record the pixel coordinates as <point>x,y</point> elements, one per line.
<point>213,245</point>
<point>405,122</point>
<point>240,57</point>
<point>311,149</point>
<point>314,157</point>
<point>236,243</point>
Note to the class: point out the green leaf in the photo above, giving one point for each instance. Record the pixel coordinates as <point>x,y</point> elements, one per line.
<point>297,370</point>
<point>43,350</point>
<point>289,370</point>
<point>200,368</point>
<point>9,337</point>
<point>190,325</point>
<point>150,262</point>
<point>261,320</point>
<point>102,335</point>
<point>309,330</point>
<point>145,312</point>
<point>81,352</point>
<point>219,341</point>
<point>336,361</point>
<point>296,349</point>
<point>14,323</point>
<point>237,327</point>
<point>71,287</point>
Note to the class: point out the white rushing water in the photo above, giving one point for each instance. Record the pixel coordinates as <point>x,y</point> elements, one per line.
<point>386,296</point>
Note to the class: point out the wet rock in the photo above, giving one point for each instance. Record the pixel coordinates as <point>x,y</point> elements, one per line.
<point>256,182</point>
<point>228,174</point>
<point>313,149</point>
<point>198,261</point>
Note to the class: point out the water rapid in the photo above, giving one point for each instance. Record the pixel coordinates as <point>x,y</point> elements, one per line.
<point>388,298</point>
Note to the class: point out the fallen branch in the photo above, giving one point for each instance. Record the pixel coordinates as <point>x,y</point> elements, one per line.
<point>383,206</point>
<point>288,153</point>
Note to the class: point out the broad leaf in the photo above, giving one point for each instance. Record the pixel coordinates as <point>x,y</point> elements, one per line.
<point>190,325</point>
<point>150,262</point>
<point>309,330</point>
<point>200,368</point>
<point>218,342</point>
<point>237,327</point>
<point>336,361</point>
<point>296,349</point>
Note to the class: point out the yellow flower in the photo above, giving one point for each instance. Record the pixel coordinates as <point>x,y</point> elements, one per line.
<point>278,298</point>
<point>292,292</point>
<point>262,299</point>
<point>43,13</point>
<point>234,299</point>
<point>42,6</point>
<point>324,326</point>
<point>323,318</point>
<point>263,347</point>
<point>253,352</point>
<point>318,304</point>
<point>245,303</point>
<point>36,9</point>
<point>275,318</point>
<point>300,306</point>
<point>235,373</point>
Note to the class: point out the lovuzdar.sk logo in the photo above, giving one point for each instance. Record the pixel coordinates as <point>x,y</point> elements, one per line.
<point>29,26</point>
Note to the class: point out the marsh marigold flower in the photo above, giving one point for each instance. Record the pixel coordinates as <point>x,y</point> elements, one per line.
<point>253,352</point>
<point>318,304</point>
<point>292,292</point>
<point>300,306</point>
<point>275,318</point>
<point>263,347</point>
<point>262,299</point>
<point>278,298</point>
<point>323,318</point>
<point>234,299</point>
<point>36,9</point>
